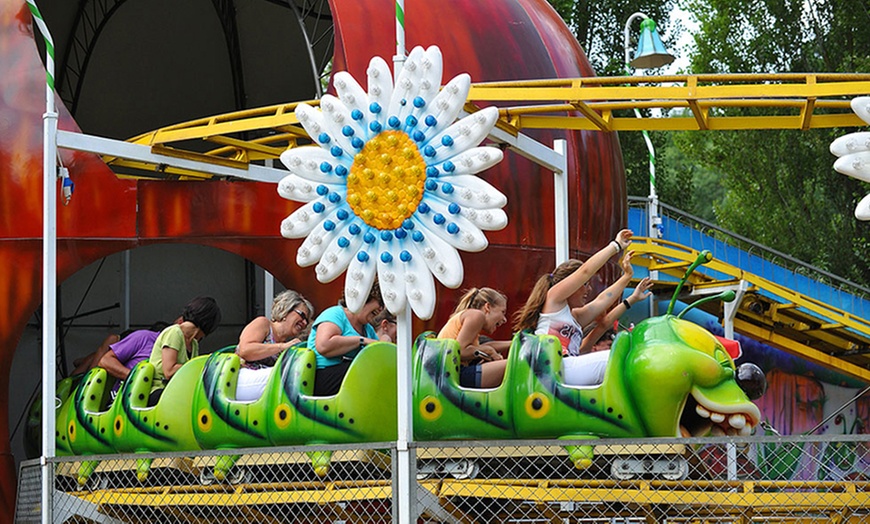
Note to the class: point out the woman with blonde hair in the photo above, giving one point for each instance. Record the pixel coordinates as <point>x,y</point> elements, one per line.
<point>479,310</point>
<point>263,340</point>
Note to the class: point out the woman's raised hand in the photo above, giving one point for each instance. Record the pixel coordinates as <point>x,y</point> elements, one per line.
<point>623,238</point>
<point>627,268</point>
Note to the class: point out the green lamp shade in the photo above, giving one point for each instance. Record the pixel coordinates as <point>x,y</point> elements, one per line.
<point>650,51</point>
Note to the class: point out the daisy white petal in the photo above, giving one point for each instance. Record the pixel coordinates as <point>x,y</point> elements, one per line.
<point>490,219</point>
<point>429,87</point>
<point>354,97</point>
<point>862,211</point>
<point>343,247</point>
<point>861,107</point>
<point>446,220</point>
<point>294,187</point>
<point>347,135</point>
<point>465,133</point>
<point>406,86</point>
<point>319,238</point>
<point>856,165</point>
<point>360,277</point>
<point>470,162</point>
<point>467,190</point>
<point>419,284</point>
<point>303,221</point>
<point>391,273</point>
<point>315,164</point>
<point>380,90</point>
<point>851,143</point>
<point>312,121</point>
<point>441,258</point>
<point>445,107</point>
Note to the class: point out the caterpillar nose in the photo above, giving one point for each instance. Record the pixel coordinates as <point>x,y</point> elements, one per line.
<point>751,380</point>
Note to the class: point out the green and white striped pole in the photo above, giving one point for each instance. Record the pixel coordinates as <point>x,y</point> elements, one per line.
<point>49,269</point>
<point>406,481</point>
<point>399,58</point>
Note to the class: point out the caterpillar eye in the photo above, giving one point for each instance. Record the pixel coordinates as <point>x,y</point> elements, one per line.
<point>751,380</point>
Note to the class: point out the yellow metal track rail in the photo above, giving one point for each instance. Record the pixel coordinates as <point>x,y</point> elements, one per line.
<point>778,101</point>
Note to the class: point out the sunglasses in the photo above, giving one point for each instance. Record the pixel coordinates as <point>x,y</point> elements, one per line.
<point>302,315</point>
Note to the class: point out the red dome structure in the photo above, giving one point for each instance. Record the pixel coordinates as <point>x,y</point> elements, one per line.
<point>492,40</point>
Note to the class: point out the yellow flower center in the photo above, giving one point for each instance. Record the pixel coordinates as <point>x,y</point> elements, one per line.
<point>385,183</point>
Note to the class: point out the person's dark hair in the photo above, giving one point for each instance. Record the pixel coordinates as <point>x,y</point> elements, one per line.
<point>204,313</point>
<point>158,326</point>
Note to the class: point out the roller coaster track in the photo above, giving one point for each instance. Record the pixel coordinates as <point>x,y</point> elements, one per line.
<point>696,102</point>
<point>768,312</point>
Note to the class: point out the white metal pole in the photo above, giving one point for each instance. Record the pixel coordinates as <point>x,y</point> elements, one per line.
<point>49,269</point>
<point>560,184</point>
<point>406,480</point>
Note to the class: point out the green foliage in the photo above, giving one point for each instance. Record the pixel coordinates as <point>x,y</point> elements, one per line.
<point>775,187</point>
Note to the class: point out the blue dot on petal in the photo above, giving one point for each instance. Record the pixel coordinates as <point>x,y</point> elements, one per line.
<point>418,136</point>
<point>343,242</point>
<point>354,229</point>
<point>447,140</point>
<point>431,121</point>
<point>439,219</point>
<point>386,236</point>
<point>432,171</point>
<point>454,208</point>
<point>342,214</point>
<point>356,114</point>
<point>347,131</point>
<point>386,257</point>
<point>419,102</point>
<point>394,121</point>
<point>375,107</point>
<point>323,138</point>
<point>405,256</point>
<point>369,238</point>
<point>408,224</point>
<point>449,166</point>
<point>431,185</point>
<point>362,256</point>
<point>429,151</point>
<point>325,167</point>
<point>328,225</point>
<point>335,198</point>
<point>403,102</point>
<point>417,236</point>
<point>357,142</point>
<point>400,233</point>
<point>423,208</point>
<point>411,121</point>
<point>447,188</point>
<point>336,151</point>
<point>322,190</point>
<point>376,127</point>
<point>318,207</point>
<point>340,170</point>
<point>452,228</point>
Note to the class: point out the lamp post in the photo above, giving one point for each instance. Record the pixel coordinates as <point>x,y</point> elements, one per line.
<point>650,52</point>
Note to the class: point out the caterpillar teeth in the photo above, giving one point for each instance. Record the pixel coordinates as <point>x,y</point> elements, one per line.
<point>736,421</point>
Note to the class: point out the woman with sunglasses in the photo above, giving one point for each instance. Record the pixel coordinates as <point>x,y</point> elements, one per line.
<point>263,340</point>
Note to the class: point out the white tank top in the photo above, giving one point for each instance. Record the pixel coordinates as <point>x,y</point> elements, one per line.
<point>562,325</point>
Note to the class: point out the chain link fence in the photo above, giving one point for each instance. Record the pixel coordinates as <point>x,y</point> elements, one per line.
<point>759,479</point>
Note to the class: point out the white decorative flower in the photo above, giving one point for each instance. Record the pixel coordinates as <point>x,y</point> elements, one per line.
<point>854,152</point>
<point>390,186</point>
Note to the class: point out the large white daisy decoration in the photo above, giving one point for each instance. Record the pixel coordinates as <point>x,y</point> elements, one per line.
<point>390,183</point>
<point>854,152</point>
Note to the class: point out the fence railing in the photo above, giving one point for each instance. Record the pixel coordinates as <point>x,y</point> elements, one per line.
<point>725,479</point>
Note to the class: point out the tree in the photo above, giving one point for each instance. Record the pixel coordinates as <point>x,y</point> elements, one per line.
<point>786,194</point>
